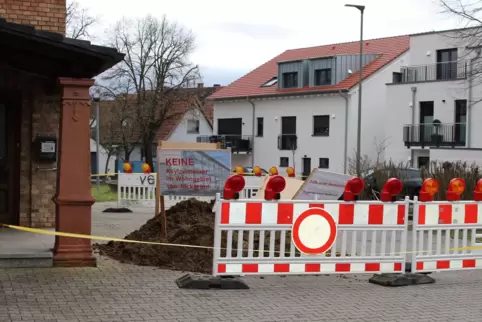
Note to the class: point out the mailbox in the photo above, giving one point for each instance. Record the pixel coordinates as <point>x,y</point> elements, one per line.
<point>46,148</point>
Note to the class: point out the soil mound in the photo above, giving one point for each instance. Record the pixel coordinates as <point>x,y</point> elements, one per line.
<point>188,222</point>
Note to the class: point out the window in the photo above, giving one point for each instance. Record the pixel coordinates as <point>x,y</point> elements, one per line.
<point>290,80</point>
<point>447,64</point>
<point>323,77</point>
<point>321,125</point>
<point>192,126</point>
<point>324,163</point>
<point>271,82</point>
<point>284,162</point>
<point>259,128</point>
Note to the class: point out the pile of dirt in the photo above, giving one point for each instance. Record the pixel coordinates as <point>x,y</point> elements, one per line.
<point>188,222</point>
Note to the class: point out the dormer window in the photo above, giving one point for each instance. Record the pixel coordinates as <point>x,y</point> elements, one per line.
<point>271,82</point>
<point>323,77</point>
<point>290,80</point>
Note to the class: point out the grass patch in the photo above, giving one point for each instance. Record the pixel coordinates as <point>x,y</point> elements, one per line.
<point>104,193</point>
<point>461,235</point>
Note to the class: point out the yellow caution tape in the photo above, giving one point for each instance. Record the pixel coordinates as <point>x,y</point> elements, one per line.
<point>114,174</point>
<point>92,237</point>
<point>57,233</point>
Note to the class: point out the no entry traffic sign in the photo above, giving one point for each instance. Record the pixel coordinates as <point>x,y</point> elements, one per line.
<point>314,231</point>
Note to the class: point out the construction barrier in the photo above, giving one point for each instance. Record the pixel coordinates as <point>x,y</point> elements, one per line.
<point>276,237</point>
<point>299,237</point>
<point>447,232</point>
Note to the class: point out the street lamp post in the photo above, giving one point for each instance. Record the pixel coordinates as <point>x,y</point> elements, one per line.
<point>358,138</point>
<point>96,98</point>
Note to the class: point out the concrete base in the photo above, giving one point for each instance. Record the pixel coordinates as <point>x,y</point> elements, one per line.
<point>401,279</point>
<point>224,283</point>
<point>19,249</point>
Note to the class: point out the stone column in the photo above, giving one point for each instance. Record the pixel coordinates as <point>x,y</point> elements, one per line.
<point>73,198</point>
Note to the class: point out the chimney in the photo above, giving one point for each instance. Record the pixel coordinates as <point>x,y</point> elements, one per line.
<point>49,15</point>
<point>200,85</point>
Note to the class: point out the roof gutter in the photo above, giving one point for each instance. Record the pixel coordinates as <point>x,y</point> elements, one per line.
<point>252,130</point>
<point>248,98</point>
<point>345,148</point>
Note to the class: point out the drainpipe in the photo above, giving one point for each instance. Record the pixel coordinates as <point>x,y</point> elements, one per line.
<point>252,130</point>
<point>412,130</point>
<point>345,149</point>
<point>469,109</point>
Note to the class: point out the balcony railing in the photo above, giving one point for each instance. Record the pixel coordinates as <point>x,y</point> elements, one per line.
<point>287,142</point>
<point>434,135</point>
<point>237,143</point>
<point>427,73</point>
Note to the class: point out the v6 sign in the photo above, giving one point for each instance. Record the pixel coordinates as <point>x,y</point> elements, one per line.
<point>138,179</point>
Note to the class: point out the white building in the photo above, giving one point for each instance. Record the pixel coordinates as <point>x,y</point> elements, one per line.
<point>432,110</point>
<point>104,164</point>
<point>194,123</point>
<point>300,108</point>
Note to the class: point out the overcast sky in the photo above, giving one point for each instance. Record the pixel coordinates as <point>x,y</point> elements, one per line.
<point>234,37</point>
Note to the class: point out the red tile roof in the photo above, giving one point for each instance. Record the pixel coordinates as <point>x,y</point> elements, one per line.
<point>180,108</point>
<point>250,84</point>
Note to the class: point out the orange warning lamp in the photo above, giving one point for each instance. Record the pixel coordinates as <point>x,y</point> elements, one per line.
<point>478,191</point>
<point>274,187</point>
<point>391,189</point>
<point>127,167</point>
<point>239,170</point>
<point>257,171</point>
<point>273,171</point>
<point>233,186</point>
<point>456,188</point>
<point>429,188</point>
<point>290,172</point>
<point>353,187</point>
<point>146,168</point>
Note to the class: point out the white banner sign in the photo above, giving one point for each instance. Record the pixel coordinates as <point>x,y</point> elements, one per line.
<point>323,185</point>
<point>193,173</point>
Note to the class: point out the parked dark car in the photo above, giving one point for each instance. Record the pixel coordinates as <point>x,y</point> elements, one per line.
<point>411,179</point>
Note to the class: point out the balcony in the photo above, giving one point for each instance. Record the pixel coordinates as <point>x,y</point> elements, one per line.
<point>237,143</point>
<point>434,135</point>
<point>287,142</point>
<point>431,73</point>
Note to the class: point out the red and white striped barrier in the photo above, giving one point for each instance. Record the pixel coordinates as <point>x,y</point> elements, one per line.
<point>445,236</point>
<point>293,237</point>
<point>311,237</point>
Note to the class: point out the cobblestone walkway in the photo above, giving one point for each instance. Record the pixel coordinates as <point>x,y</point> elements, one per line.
<point>120,292</point>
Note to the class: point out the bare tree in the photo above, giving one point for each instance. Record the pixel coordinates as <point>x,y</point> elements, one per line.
<point>79,21</point>
<point>469,15</point>
<point>366,162</point>
<point>158,67</point>
<point>118,123</point>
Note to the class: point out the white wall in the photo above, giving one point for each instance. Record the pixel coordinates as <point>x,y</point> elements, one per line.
<point>103,158</point>
<point>266,148</point>
<point>375,110</point>
<point>399,111</point>
<point>180,132</point>
<point>423,51</point>
<point>423,48</point>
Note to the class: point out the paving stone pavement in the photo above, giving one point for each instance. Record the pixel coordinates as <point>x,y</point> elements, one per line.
<point>119,292</point>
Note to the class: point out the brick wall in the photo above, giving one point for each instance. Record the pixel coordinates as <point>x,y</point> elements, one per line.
<point>40,115</point>
<point>47,15</point>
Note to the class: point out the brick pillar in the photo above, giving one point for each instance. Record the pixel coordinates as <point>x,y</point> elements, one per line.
<point>74,197</point>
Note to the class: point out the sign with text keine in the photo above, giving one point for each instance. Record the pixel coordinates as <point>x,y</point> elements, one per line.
<point>193,173</point>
